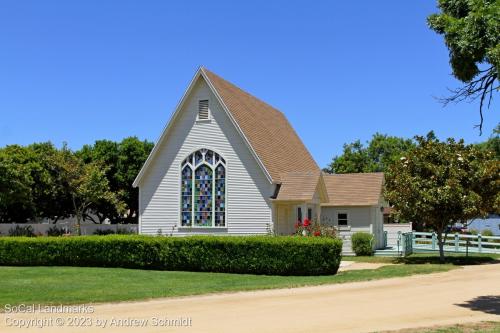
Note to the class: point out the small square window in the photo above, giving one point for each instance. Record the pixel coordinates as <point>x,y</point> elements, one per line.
<point>342,219</point>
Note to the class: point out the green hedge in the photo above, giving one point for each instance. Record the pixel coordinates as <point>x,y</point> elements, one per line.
<point>285,255</point>
<point>362,243</point>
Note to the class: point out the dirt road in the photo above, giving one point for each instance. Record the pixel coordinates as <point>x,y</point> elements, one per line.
<point>460,296</point>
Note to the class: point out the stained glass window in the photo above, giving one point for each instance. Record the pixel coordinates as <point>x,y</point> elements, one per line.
<point>198,157</point>
<point>209,157</point>
<point>203,196</point>
<point>186,195</point>
<point>220,195</point>
<point>203,190</point>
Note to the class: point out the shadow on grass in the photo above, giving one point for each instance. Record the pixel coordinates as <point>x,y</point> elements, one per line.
<point>486,304</point>
<point>454,260</point>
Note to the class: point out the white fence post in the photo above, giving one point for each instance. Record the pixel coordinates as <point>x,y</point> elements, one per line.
<point>426,241</point>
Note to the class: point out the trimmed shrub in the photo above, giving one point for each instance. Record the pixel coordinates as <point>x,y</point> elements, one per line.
<point>281,255</point>
<point>125,231</point>
<point>119,231</point>
<point>19,231</point>
<point>487,233</point>
<point>55,231</point>
<point>362,243</point>
<point>473,232</point>
<point>104,232</point>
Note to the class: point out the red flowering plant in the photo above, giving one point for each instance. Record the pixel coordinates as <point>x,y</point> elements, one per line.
<point>308,228</point>
<point>303,228</point>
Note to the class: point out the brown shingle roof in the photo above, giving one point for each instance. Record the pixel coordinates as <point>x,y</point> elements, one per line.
<point>298,186</point>
<point>267,130</point>
<point>354,189</point>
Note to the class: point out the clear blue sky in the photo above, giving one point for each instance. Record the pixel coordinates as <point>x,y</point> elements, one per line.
<point>77,71</point>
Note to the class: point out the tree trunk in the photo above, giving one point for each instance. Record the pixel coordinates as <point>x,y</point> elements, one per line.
<point>440,245</point>
<point>78,214</point>
<point>79,224</point>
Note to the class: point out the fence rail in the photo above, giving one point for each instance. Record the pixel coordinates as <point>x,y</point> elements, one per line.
<point>427,241</point>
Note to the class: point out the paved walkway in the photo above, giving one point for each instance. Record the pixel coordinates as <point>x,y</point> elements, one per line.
<point>346,265</point>
<point>460,296</point>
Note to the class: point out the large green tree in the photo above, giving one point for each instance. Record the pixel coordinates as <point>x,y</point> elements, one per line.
<point>104,152</point>
<point>50,197</point>
<point>35,180</point>
<point>16,197</point>
<point>123,161</point>
<point>85,183</point>
<point>438,184</point>
<point>493,143</point>
<point>30,185</point>
<point>471,30</point>
<point>132,155</point>
<point>381,151</point>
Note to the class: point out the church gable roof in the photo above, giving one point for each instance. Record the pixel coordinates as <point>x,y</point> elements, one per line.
<point>268,131</point>
<point>269,135</point>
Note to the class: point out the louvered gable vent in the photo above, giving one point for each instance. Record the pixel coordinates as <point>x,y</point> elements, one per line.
<point>203,113</point>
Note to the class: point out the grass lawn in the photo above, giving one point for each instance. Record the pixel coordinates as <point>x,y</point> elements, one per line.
<point>71,285</point>
<point>484,327</point>
<point>425,258</point>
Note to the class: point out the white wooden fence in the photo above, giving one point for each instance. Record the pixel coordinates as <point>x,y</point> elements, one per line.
<point>393,232</point>
<point>427,241</point>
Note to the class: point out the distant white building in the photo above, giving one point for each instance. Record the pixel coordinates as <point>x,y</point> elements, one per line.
<point>492,222</point>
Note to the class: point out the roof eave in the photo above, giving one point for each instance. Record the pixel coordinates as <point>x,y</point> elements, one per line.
<point>295,200</point>
<point>349,205</point>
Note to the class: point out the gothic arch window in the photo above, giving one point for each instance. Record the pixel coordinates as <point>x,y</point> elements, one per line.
<point>203,190</point>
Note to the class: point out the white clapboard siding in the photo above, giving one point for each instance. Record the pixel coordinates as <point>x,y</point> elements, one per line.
<point>247,188</point>
<point>360,218</point>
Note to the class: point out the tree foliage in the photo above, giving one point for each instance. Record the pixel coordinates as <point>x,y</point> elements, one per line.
<point>50,196</point>
<point>16,201</point>
<point>471,30</point>
<point>440,183</point>
<point>493,143</point>
<point>380,152</point>
<point>104,152</point>
<point>40,181</point>
<point>30,185</point>
<point>124,160</point>
<point>86,184</point>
